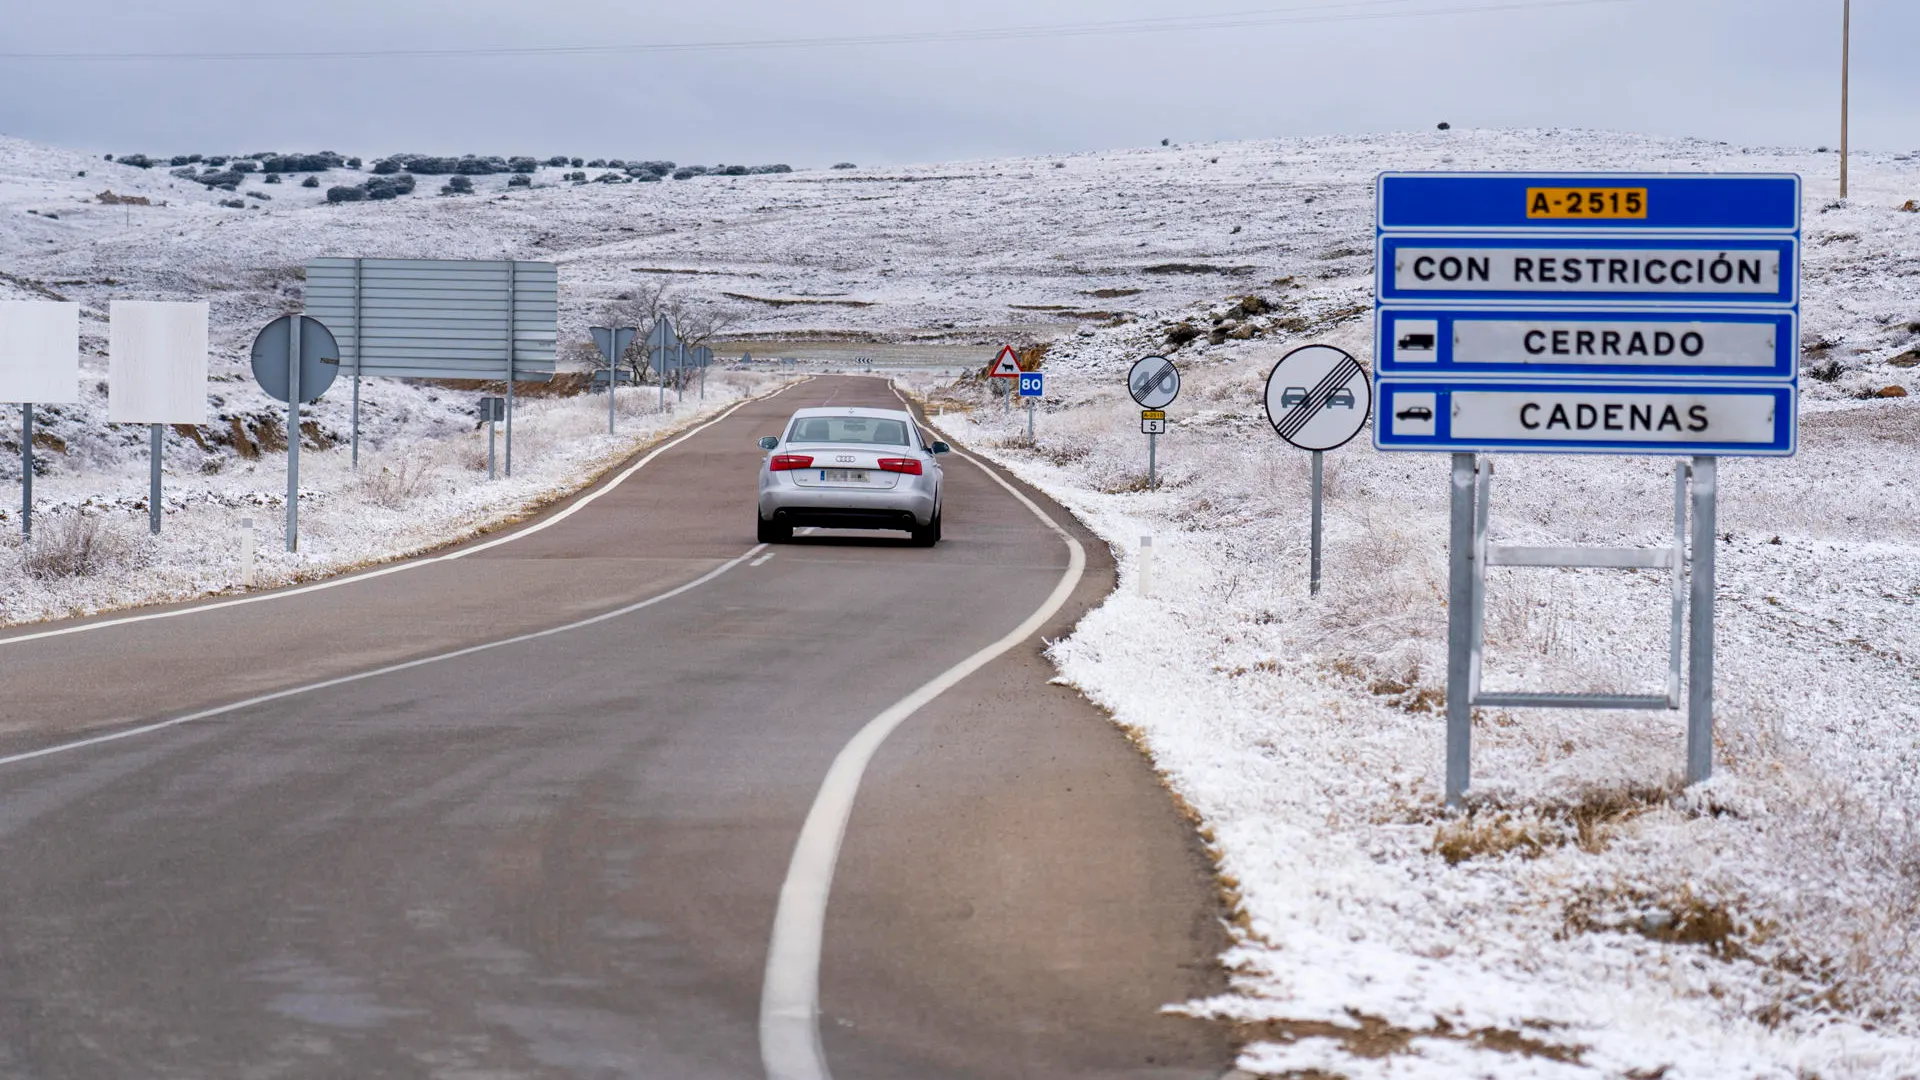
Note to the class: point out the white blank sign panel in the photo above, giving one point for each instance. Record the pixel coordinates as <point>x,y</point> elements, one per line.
<point>157,363</point>
<point>39,352</point>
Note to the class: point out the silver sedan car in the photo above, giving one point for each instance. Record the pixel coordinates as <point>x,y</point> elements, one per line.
<point>851,468</point>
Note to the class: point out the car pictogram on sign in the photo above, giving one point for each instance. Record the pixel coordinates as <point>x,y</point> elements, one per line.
<point>1414,412</point>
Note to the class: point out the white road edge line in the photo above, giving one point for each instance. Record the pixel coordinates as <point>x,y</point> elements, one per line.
<point>790,996</point>
<point>762,560</point>
<point>405,564</point>
<point>204,714</point>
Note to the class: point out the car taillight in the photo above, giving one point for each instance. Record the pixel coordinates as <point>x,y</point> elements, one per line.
<point>910,466</point>
<point>789,462</point>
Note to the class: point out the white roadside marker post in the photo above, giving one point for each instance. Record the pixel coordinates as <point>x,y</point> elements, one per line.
<point>246,552</point>
<point>1146,566</point>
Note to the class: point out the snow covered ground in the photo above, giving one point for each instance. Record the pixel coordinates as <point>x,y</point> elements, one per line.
<point>1589,919</point>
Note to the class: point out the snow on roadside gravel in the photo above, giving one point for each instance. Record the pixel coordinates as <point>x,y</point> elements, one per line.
<point>1589,917</point>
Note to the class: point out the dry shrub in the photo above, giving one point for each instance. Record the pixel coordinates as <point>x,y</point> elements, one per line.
<point>393,485</point>
<point>1475,835</point>
<point>78,545</point>
<point>1679,916</point>
<point>1587,818</point>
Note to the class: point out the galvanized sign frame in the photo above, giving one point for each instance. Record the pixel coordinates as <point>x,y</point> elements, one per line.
<point>1505,302</point>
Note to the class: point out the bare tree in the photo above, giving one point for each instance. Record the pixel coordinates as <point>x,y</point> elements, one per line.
<point>695,320</point>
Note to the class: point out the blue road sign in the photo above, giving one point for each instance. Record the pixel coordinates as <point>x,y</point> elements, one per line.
<point>1588,313</point>
<point>1564,417</point>
<point>1580,202</point>
<point>1032,384</point>
<point>1532,342</point>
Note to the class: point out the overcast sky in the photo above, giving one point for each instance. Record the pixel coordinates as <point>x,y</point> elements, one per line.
<point>1749,71</point>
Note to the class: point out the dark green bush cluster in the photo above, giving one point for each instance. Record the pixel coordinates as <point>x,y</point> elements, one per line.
<point>320,162</point>
<point>377,189</point>
<point>457,185</point>
<point>428,165</point>
<point>688,172</point>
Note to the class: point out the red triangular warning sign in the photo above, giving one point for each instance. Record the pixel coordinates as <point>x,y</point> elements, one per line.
<point>1006,365</point>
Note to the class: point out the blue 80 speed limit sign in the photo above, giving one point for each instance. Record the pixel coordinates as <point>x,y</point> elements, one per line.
<point>1318,397</point>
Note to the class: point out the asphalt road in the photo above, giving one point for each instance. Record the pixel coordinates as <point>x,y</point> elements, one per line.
<point>561,857</point>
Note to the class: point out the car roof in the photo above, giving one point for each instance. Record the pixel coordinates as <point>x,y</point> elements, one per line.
<point>852,410</point>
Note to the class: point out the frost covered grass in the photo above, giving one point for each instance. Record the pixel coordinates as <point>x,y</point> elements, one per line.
<point>1588,915</point>
<point>91,550</point>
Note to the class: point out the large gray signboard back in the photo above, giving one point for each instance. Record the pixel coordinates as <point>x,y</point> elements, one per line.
<point>439,318</point>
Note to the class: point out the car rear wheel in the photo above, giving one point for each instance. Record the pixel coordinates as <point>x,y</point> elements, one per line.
<point>775,531</point>
<point>928,535</point>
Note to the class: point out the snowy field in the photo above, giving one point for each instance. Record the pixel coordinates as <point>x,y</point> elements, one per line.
<point>1588,919</point>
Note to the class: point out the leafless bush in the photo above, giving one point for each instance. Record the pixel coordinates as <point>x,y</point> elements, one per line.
<point>78,545</point>
<point>395,484</point>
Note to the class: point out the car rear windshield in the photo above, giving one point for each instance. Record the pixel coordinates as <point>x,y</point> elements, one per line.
<point>848,429</point>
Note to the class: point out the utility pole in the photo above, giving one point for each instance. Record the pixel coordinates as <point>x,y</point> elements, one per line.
<point>1846,45</point>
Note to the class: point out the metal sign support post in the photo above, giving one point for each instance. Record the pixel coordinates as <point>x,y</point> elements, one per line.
<point>492,427</point>
<point>26,470</point>
<point>1152,439</point>
<point>513,352</point>
<point>155,445</point>
<point>355,423</point>
<point>1470,555</point>
<point>1700,623</point>
<point>293,434</point>
<point>1460,578</point>
<point>1313,574</point>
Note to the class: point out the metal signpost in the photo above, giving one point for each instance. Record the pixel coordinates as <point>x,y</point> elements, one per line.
<point>1586,313</point>
<point>1006,365</point>
<point>294,359</point>
<point>1033,386</point>
<point>1318,399</point>
<point>702,357</point>
<point>439,319</point>
<point>661,341</point>
<point>39,362</point>
<point>493,410</point>
<point>613,342</point>
<point>156,374</point>
<point>1154,382</point>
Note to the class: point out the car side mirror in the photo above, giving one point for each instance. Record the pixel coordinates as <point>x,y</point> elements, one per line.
<point>769,443</point>
<point>941,448</point>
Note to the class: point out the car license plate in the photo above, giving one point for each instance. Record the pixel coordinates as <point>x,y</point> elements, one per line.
<point>843,476</point>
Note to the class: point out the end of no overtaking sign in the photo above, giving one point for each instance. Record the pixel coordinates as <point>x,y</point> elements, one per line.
<point>1318,397</point>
